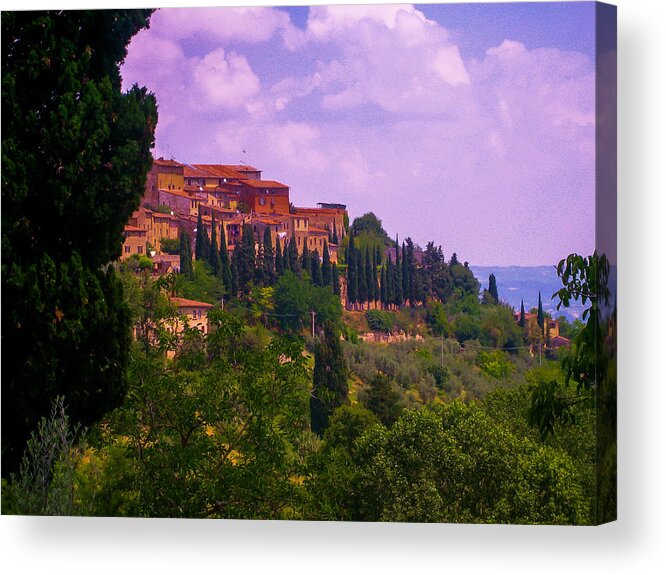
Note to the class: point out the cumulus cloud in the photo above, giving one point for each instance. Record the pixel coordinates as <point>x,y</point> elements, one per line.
<point>375,106</point>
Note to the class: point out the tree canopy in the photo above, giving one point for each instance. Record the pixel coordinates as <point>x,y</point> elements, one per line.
<point>75,153</point>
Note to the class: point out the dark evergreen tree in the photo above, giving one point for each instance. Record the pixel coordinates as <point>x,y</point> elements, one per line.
<point>330,387</point>
<point>375,278</point>
<point>279,262</point>
<point>245,259</point>
<point>185,256</point>
<point>406,279</point>
<point>370,276</point>
<point>327,278</point>
<point>352,276</point>
<point>383,399</point>
<point>362,289</point>
<point>390,281</point>
<point>454,260</point>
<point>492,287</point>
<point>214,260</point>
<point>384,288</point>
<point>540,317</point>
<point>315,269</point>
<point>224,260</point>
<point>75,154</point>
<point>234,276</point>
<point>294,263</point>
<point>335,234</point>
<point>335,279</point>
<point>398,292</point>
<point>202,243</point>
<point>268,258</point>
<point>521,322</point>
<point>305,259</point>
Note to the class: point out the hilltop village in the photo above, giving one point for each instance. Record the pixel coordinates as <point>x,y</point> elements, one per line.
<point>231,196</point>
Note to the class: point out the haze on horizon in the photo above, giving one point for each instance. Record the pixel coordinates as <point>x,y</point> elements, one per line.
<point>471,125</point>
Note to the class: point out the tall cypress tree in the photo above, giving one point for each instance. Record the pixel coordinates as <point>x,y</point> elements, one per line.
<point>540,317</point>
<point>185,256</point>
<point>390,281</point>
<point>362,292</point>
<point>383,288</point>
<point>375,277</point>
<point>370,279</point>
<point>214,255</point>
<point>330,387</point>
<point>224,260</point>
<point>245,256</point>
<point>268,258</point>
<point>335,234</point>
<point>286,261</point>
<point>234,275</point>
<point>68,128</point>
<point>305,259</point>
<point>315,269</point>
<point>202,247</point>
<point>279,263</point>
<point>294,263</point>
<point>398,292</point>
<point>492,288</point>
<point>327,279</point>
<point>335,279</point>
<point>406,280</point>
<point>521,322</point>
<point>352,276</point>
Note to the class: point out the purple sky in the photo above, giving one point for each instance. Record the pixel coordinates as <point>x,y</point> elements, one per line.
<point>468,124</point>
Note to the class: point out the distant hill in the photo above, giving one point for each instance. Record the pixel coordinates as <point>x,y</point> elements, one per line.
<point>517,282</point>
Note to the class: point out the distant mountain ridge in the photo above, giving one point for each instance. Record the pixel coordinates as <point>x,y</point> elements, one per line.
<point>525,282</point>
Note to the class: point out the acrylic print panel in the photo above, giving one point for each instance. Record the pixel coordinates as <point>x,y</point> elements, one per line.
<point>349,263</point>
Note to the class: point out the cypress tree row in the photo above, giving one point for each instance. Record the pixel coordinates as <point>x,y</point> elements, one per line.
<point>224,260</point>
<point>202,247</point>
<point>327,279</point>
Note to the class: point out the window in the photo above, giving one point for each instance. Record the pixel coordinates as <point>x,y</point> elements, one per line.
<point>139,249</point>
<point>199,314</point>
<point>262,201</point>
<point>194,314</point>
<point>128,249</point>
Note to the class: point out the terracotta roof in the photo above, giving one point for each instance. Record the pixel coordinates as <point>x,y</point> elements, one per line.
<point>242,168</point>
<point>195,172</point>
<point>220,171</point>
<point>160,215</point>
<point>271,220</point>
<point>331,211</point>
<point>182,194</point>
<point>264,184</point>
<point>182,302</point>
<point>133,229</point>
<point>163,162</point>
<point>316,230</point>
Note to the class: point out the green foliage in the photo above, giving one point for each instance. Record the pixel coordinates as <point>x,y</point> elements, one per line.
<point>379,320</point>
<point>330,388</point>
<point>499,329</point>
<point>170,245</point>
<point>45,482</point>
<point>295,297</point>
<point>383,399</point>
<point>466,328</point>
<point>494,363</point>
<point>454,464</point>
<point>204,286</point>
<point>67,128</point>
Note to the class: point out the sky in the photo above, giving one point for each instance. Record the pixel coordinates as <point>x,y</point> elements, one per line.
<point>470,125</point>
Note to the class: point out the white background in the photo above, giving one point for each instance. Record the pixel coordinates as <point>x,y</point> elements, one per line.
<point>634,544</point>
